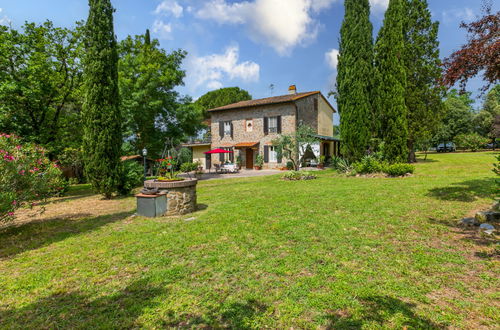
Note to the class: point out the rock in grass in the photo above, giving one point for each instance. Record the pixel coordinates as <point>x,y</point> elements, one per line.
<point>486,226</point>
<point>468,222</point>
<point>487,216</point>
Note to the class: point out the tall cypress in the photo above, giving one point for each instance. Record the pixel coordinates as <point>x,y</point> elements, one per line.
<point>423,71</point>
<point>355,69</point>
<point>391,83</point>
<point>102,137</point>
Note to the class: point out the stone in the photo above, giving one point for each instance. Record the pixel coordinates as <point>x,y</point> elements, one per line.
<point>486,226</point>
<point>190,219</point>
<point>487,216</point>
<point>468,222</point>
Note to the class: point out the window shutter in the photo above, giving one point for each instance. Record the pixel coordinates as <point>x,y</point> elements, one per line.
<point>278,119</point>
<point>266,154</point>
<point>221,158</point>
<point>279,155</point>
<point>221,129</point>
<point>266,125</point>
<point>231,130</point>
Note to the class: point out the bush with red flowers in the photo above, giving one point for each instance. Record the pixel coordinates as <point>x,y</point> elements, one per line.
<point>27,176</point>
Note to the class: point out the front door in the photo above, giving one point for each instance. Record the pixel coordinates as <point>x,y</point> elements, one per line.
<point>249,158</point>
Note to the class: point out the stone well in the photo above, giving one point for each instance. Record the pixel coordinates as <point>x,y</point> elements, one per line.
<point>181,195</point>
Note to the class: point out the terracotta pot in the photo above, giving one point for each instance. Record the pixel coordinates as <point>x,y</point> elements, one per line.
<point>256,167</point>
<point>321,166</point>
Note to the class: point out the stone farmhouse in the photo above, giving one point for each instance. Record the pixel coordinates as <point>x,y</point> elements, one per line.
<point>248,127</point>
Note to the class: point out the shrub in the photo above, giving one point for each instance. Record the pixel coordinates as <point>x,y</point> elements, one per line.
<point>189,167</point>
<point>472,141</point>
<point>342,165</point>
<point>27,176</point>
<point>298,175</point>
<point>368,164</point>
<point>399,169</point>
<point>132,177</point>
<point>259,160</point>
<point>184,155</point>
<point>72,158</point>
<point>289,165</point>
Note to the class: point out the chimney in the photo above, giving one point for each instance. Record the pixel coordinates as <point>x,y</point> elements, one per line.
<point>292,89</point>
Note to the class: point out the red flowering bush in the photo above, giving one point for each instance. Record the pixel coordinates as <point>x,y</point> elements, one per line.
<point>167,167</point>
<point>26,176</point>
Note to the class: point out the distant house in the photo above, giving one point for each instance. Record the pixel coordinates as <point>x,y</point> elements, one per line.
<point>248,127</point>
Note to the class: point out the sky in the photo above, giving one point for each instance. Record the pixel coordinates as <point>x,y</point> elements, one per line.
<point>262,46</point>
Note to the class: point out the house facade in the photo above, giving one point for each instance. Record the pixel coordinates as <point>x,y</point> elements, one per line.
<point>247,128</point>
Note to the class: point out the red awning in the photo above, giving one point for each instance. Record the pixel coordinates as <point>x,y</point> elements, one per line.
<point>217,151</point>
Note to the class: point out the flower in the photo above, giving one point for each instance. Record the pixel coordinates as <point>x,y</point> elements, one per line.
<point>14,202</point>
<point>10,214</point>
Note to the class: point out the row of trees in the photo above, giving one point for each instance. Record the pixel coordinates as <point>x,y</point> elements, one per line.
<point>392,91</point>
<point>388,90</point>
<point>42,88</point>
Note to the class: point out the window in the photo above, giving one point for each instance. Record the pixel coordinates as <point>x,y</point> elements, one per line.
<point>273,124</point>
<point>227,128</point>
<point>249,125</point>
<point>273,155</point>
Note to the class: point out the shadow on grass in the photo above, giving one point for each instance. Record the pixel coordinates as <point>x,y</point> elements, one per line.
<point>72,310</point>
<point>380,312</point>
<point>33,235</point>
<point>467,191</point>
<point>236,315</point>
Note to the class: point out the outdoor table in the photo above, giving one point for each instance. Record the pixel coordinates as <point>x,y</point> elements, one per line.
<point>229,167</point>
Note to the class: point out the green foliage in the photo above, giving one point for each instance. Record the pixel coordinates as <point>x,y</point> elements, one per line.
<point>423,93</point>
<point>167,166</point>
<point>188,167</point>
<point>132,176</point>
<point>390,89</point>
<point>289,165</point>
<point>484,121</point>
<point>72,158</point>
<point>27,176</point>
<point>368,164</point>
<point>342,165</point>
<point>221,97</point>
<point>184,155</point>
<point>458,119</point>
<point>298,175</point>
<point>151,107</point>
<point>472,141</point>
<point>399,169</point>
<point>259,160</point>
<point>291,145</point>
<point>40,84</point>
<point>354,85</point>
<point>102,119</point>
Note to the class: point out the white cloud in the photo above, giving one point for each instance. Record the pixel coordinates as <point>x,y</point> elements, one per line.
<point>4,20</point>
<point>458,14</point>
<point>331,57</point>
<point>281,24</point>
<point>169,7</point>
<point>379,6</point>
<point>162,29</point>
<point>211,69</point>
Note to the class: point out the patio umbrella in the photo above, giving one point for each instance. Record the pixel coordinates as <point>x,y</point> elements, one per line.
<point>218,151</point>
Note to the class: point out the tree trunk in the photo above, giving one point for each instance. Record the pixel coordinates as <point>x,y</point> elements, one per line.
<point>412,158</point>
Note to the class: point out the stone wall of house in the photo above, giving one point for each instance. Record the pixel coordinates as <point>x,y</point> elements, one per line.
<point>307,112</point>
<point>240,133</point>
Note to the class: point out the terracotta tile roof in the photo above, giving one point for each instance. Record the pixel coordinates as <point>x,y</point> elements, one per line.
<point>245,144</point>
<point>265,101</point>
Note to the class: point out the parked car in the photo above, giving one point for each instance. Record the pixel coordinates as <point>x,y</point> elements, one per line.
<point>492,145</point>
<point>446,147</point>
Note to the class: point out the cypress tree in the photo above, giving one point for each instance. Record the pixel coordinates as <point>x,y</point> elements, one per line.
<point>423,71</point>
<point>355,69</point>
<point>102,137</point>
<point>147,38</point>
<point>391,83</point>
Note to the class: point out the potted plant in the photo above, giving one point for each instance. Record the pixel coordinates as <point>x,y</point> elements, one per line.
<point>166,169</point>
<point>238,162</point>
<point>259,161</point>
<point>321,163</point>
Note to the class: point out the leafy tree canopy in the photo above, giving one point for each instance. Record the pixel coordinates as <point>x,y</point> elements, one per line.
<point>458,119</point>
<point>221,97</point>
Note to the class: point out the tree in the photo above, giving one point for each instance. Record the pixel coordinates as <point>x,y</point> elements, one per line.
<point>355,68</point>
<point>391,84</point>
<point>484,121</point>
<point>221,97</point>
<point>40,84</point>
<point>151,108</point>
<point>458,119</point>
<point>480,54</point>
<point>291,146</point>
<point>471,141</point>
<point>423,92</point>
<point>102,137</point>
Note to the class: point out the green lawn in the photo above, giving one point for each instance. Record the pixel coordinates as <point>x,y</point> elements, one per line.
<point>336,252</point>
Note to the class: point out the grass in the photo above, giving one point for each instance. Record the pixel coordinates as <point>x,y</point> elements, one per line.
<point>336,252</point>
